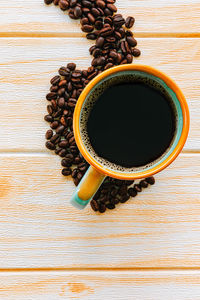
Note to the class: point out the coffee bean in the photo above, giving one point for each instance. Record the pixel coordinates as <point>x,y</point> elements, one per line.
<point>61,102</point>
<point>48,1</point>
<point>102,208</point>
<point>91,18</point>
<point>129,22</point>
<point>54,124</point>
<point>143,184</point>
<point>50,146</point>
<point>63,71</point>
<point>132,192</point>
<point>48,118</point>
<point>55,139</point>
<point>101,4</point>
<point>87,28</point>
<point>131,41</point>
<point>112,7</point>
<point>49,134</point>
<point>63,144</point>
<point>110,206</point>
<point>94,204</point>
<point>100,42</point>
<point>51,96</point>
<point>136,52</point>
<point>118,21</point>
<point>77,12</point>
<point>129,58</point>
<point>67,171</point>
<point>106,31</point>
<point>124,198</point>
<point>71,66</point>
<point>150,180</point>
<point>73,3</point>
<point>91,36</point>
<point>50,109</point>
<point>55,80</point>
<point>137,188</point>
<point>63,4</point>
<point>76,181</point>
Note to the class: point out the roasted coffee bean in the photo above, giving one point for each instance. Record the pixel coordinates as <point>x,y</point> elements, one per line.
<point>54,104</point>
<point>50,109</point>
<point>98,25</point>
<point>137,188</point>
<point>108,66</point>
<point>77,12</point>
<point>108,12</point>
<point>124,198</point>
<point>150,180</point>
<point>123,190</point>
<point>112,7</point>
<point>99,42</point>
<point>102,208</point>
<point>55,139</point>
<point>110,206</point>
<point>106,31</point>
<point>136,52</point>
<point>118,21</point>
<point>129,22</point>
<point>70,157</point>
<point>131,41</point>
<point>51,96</point>
<point>63,4</point>
<point>91,36</point>
<point>73,3</point>
<point>53,88</point>
<point>54,125</point>
<point>63,71</point>
<point>61,102</point>
<point>143,184</point>
<point>129,58</point>
<point>87,28</point>
<point>48,1</point>
<point>71,66</point>
<point>49,134</point>
<point>63,144</point>
<point>48,118</point>
<point>129,182</point>
<point>91,18</point>
<point>50,146</point>
<point>55,80</point>
<point>76,181</point>
<point>132,192</point>
<point>101,4</point>
<point>60,129</point>
<point>94,204</point>
<point>67,171</point>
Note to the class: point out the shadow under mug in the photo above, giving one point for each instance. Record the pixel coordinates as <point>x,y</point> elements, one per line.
<point>98,171</point>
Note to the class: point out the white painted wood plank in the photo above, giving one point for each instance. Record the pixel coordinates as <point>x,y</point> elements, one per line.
<point>177,285</point>
<point>26,66</point>
<point>40,229</point>
<point>164,16</point>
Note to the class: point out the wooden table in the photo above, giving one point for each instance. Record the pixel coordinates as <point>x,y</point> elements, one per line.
<point>148,248</point>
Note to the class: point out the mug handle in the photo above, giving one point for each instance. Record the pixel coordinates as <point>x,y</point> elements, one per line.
<point>87,188</point>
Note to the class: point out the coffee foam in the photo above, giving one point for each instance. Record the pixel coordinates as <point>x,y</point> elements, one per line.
<point>96,92</point>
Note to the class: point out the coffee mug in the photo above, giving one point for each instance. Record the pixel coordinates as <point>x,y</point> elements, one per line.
<point>98,170</point>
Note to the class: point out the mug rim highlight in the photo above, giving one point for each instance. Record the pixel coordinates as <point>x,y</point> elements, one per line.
<point>145,173</point>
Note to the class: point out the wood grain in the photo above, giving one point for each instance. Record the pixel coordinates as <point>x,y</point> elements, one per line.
<point>100,285</point>
<point>152,17</point>
<point>40,229</point>
<point>26,71</point>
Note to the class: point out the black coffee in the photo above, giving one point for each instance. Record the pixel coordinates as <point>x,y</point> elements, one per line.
<point>131,124</point>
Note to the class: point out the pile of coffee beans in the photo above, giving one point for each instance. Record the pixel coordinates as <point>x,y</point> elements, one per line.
<point>114,45</point>
<point>114,191</point>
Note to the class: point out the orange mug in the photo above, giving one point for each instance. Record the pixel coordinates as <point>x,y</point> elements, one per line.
<point>97,172</point>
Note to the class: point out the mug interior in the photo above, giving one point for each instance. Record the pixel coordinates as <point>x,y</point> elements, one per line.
<point>129,76</point>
